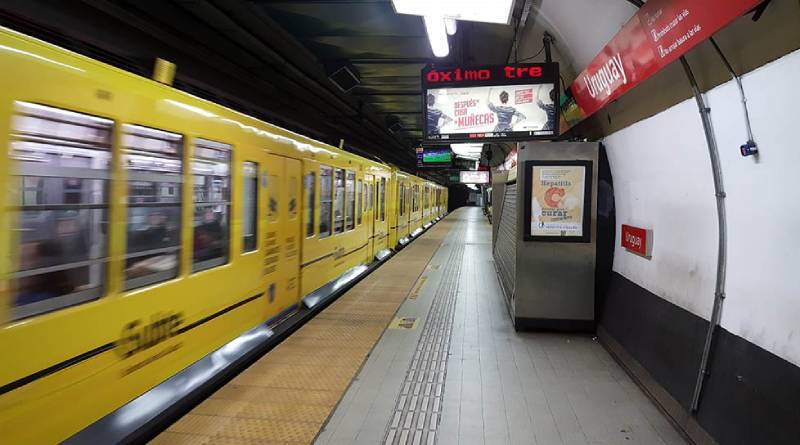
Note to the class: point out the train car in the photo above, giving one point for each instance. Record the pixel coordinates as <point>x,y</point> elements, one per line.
<point>142,228</point>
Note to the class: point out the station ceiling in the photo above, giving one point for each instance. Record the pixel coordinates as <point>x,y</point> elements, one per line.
<point>272,58</point>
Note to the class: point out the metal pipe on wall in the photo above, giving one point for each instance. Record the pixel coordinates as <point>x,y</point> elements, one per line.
<point>719,190</point>
<point>738,80</point>
<point>722,248</point>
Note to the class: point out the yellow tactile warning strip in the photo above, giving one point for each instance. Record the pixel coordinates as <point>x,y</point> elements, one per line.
<point>286,396</point>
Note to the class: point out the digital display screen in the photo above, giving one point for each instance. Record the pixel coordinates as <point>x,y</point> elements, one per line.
<point>474,177</point>
<point>558,201</point>
<point>441,157</point>
<point>511,102</point>
<point>437,156</point>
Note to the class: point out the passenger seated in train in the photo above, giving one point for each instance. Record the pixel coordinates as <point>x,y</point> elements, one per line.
<point>40,287</point>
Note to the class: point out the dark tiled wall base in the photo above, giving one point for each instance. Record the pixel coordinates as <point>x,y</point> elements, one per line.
<point>751,396</point>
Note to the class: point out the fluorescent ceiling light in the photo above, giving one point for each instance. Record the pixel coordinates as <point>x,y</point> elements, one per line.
<point>437,35</point>
<point>451,26</point>
<point>488,11</point>
<point>468,151</point>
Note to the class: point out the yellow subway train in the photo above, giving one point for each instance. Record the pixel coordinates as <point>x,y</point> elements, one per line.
<point>142,228</point>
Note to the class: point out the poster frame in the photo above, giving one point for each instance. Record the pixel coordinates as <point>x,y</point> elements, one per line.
<point>587,201</point>
<point>551,75</point>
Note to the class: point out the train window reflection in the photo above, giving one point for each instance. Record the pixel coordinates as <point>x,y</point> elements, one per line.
<point>338,202</point>
<point>153,162</point>
<point>293,206</point>
<point>250,207</point>
<point>309,184</point>
<point>273,204</point>
<point>351,200</point>
<point>402,196</point>
<point>360,191</point>
<point>383,199</point>
<point>212,204</point>
<point>325,200</point>
<point>62,161</point>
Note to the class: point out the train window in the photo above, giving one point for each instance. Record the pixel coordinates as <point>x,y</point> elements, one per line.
<point>325,200</point>
<point>153,161</point>
<point>212,203</point>
<point>61,178</point>
<point>383,199</point>
<point>338,201</point>
<point>377,200</point>
<point>402,197</point>
<point>274,197</point>
<point>360,191</point>
<point>350,220</point>
<point>370,195</point>
<point>309,184</point>
<point>250,207</point>
<point>293,197</point>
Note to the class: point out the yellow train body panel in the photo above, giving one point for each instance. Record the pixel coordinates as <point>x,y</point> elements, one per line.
<point>86,360</point>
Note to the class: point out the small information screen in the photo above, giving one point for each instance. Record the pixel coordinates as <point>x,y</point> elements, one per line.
<point>558,201</point>
<point>474,177</point>
<point>434,157</point>
<point>491,103</point>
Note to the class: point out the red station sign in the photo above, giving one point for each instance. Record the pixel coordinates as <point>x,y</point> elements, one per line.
<point>637,240</point>
<point>658,34</point>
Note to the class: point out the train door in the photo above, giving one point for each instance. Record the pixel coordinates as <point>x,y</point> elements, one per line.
<point>282,238</point>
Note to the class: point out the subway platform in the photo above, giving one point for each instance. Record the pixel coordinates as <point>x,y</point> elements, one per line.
<point>422,351</point>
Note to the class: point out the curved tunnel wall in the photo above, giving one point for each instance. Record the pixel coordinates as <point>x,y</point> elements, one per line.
<point>657,309</point>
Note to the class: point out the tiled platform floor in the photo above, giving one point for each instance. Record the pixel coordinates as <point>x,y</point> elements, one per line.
<point>500,386</point>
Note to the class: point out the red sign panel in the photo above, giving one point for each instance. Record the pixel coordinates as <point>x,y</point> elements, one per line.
<point>658,34</point>
<point>636,239</point>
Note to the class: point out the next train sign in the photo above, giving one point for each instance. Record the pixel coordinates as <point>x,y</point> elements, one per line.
<point>490,103</point>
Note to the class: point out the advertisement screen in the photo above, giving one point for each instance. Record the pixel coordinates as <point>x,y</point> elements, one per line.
<point>559,197</point>
<point>441,157</point>
<point>492,103</point>
<point>474,177</point>
<point>437,156</point>
<point>557,200</point>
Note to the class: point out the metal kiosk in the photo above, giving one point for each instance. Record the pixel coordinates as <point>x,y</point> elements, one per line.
<point>546,229</point>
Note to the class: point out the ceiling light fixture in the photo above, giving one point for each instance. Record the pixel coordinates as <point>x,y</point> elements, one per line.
<point>467,151</point>
<point>487,11</point>
<point>437,35</point>
<point>451,25</point>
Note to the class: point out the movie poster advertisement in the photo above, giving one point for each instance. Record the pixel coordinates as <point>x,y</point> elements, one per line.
<point>557,200</point>
<point>491,112</point>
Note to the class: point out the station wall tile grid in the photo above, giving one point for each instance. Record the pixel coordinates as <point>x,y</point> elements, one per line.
<point>286,397</point>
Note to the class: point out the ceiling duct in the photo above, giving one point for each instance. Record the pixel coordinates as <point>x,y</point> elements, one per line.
<point>345,78</point>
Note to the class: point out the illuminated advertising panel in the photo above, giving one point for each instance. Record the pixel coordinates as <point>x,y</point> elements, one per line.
<point>484,104</point>
<point>558,201</point>
<point>474,177</point>
<point>441,157</point>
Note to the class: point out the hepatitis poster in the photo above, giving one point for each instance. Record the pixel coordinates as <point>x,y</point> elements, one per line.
<point>557,200</point>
